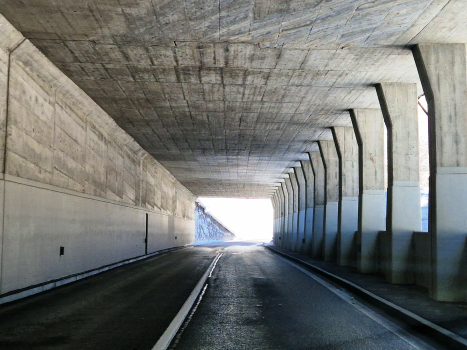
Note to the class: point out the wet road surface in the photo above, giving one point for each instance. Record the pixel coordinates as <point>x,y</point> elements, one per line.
<point>127,308</point>
<point>257,300</point>
<point>254,300</point>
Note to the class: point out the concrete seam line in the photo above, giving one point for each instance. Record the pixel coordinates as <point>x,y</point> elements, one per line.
<point>444,334</point>
<point>164,341</point>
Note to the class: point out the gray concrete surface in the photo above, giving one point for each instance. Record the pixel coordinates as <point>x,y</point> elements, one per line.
<point>290,212</point>
<point>399,107</point>
<point>319,202</point>
<point>369,130</point>
<point>227,85</point>
<point>296,211</point>
<point>331,166</point>
<point>301,208</point>
<point>347,151</point>
<point>310,202</point>
<point>285,227</point>
<point>148,104</point>
<point>72,179</point>
<point>443,74</point>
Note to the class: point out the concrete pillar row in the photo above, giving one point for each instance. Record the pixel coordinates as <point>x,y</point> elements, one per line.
<point>285,224</point>
<point>280,195</point>
<point>369,131</point>
<point>290,213</point>
<point>347,151</point>
<point>309,203</point>
<point>274,216</point>
<point>443,73</point>
<point>399,106</point>
<point>301,208</point>
<point>295,189</point>
<point>331,189</point>
<point>319,202</point>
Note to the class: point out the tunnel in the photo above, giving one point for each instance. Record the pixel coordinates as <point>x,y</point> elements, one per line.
<point>116,116</point>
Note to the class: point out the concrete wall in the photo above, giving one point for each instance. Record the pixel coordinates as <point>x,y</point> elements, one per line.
<point>208,228</point>
<point>72,178</point>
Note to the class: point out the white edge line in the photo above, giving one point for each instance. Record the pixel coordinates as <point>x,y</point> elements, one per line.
<point>166,338</point>
<point>408,313</point>
<point>390,326</point>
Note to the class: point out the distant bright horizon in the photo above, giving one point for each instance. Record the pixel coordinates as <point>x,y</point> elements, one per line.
<point>248,219</point>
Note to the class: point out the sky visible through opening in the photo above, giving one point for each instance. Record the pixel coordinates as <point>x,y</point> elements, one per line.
<point>248,219</point>
<point>252,219</point>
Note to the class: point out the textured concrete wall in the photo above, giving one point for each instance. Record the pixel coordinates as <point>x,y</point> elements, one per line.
<point>347,150</point>
<point>443,74</point>
<point>369,131</point>
<point>399,106</point>
<point>72,178</point>
<point>319,203</point>
<point>208,228</point>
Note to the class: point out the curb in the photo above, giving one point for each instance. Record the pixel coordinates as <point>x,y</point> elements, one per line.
<point>416,322</point>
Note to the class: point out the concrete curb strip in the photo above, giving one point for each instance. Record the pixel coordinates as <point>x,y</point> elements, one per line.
<point>422,325</point>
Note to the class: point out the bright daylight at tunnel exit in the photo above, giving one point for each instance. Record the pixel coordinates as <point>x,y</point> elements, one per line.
<point>233,174</point>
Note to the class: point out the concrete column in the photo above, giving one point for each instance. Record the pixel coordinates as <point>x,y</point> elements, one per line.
<point>399,106</point>
<point>369,130</point>
<point>294,183</point>
<point>275,207</point>
<point>442,70</point>
<point>279,217</point>
<point>331,189</point>
<point>347,151</point>
<point>319,202</point>
<point>285,222</point>
<point>290,213</point>
<point>309,203</point>
<point>280,197</point>
<point>301,208</point>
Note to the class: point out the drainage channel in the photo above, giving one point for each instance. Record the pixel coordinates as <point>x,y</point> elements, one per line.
<point>172,334</point>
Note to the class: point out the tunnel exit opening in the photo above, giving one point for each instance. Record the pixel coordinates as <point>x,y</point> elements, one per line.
<point>424,159</point>
<point>247,219</point>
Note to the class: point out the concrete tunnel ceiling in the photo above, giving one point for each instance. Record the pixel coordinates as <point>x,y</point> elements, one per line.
<point>228,94</point>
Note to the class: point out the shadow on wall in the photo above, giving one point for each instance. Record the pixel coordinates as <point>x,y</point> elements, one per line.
<point>208,229</point>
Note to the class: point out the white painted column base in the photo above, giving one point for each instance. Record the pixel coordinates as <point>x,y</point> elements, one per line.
<point>349,225</point>
<point>373,216</point>
<point>330,234</point>
<point>406,219</point>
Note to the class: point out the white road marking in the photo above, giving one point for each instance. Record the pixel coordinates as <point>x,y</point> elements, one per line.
<point>164,341</point>
<point>390,326</point>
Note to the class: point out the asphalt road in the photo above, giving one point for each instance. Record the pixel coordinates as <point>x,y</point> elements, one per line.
<point>257,300</point>
<point>127,308</point>
<point>254,300</point>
